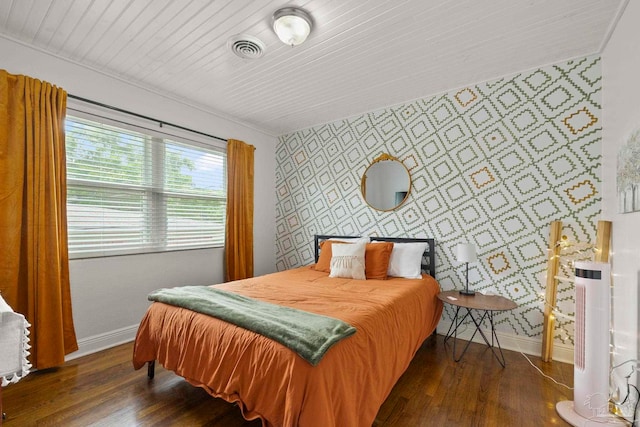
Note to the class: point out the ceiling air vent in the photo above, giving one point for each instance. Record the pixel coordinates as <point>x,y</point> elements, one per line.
<point>246,47</point>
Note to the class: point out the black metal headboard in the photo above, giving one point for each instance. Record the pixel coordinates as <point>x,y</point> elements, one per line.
<point>428,258</point>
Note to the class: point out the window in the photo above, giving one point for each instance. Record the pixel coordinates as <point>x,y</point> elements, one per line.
<point>130,190</point>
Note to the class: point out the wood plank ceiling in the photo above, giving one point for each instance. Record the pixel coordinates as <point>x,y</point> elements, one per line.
<point>360,56</point>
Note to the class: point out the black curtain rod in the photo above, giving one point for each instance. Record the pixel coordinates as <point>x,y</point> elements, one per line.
<point>162,122</point>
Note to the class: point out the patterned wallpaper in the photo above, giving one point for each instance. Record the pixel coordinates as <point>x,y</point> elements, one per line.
<point>492,164</point>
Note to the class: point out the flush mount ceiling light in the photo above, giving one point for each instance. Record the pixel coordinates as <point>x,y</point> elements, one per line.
<point>292,25</point>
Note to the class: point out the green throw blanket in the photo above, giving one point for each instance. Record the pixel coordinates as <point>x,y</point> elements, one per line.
<point>310,335</point>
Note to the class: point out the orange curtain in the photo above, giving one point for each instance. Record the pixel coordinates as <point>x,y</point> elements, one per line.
<point>239,233</point>
<point>34,260</point>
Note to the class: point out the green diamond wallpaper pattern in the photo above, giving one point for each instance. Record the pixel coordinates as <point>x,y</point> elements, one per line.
<point>492,164</point>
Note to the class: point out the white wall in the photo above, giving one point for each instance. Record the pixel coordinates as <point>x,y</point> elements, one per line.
<point>621,115</point>
<point>109,294</point>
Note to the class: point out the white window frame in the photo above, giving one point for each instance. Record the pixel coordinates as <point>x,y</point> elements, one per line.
<point>154,193</point>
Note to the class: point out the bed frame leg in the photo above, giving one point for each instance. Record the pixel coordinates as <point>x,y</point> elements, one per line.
<point>3,416</point>
<point>151,369</point>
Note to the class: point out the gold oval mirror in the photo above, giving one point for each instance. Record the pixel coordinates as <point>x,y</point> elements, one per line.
<point>386,183</point>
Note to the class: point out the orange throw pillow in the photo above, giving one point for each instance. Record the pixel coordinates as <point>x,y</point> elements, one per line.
<point>376,260</point>
<point>324,260</point>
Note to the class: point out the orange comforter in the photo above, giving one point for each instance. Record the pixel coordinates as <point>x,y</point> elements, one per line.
<point>268,381</point>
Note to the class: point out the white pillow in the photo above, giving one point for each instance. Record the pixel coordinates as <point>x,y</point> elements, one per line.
<point>351,239</point>
<point>406,260</point>
<point>348,261</point>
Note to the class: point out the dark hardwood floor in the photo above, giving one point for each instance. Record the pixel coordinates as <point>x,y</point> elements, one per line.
<point>103,390</point>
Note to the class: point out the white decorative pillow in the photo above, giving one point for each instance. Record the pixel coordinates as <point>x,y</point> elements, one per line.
<point>406,260</point>
<point>348,261</point>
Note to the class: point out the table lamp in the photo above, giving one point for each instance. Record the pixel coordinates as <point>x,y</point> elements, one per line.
<point>466,252</point>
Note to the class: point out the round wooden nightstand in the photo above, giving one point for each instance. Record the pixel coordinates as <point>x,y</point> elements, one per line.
<point>487,305</point>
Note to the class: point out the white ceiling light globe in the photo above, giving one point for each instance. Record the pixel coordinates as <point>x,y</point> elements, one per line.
<point>291,25</point>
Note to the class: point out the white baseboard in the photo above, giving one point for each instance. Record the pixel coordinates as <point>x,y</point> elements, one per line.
<point>527,345</point>
<point>100,342</point>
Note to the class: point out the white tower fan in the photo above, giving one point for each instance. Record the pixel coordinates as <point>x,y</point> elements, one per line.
<point>590,405</point>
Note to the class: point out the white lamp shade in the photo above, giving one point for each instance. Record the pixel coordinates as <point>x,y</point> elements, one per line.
<point>291,25</point>
<point>466,252</point>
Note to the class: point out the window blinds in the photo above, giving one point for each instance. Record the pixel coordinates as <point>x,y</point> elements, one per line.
<point>129,191</point>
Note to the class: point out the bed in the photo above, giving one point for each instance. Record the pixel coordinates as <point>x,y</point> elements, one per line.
<point>271,382</point>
